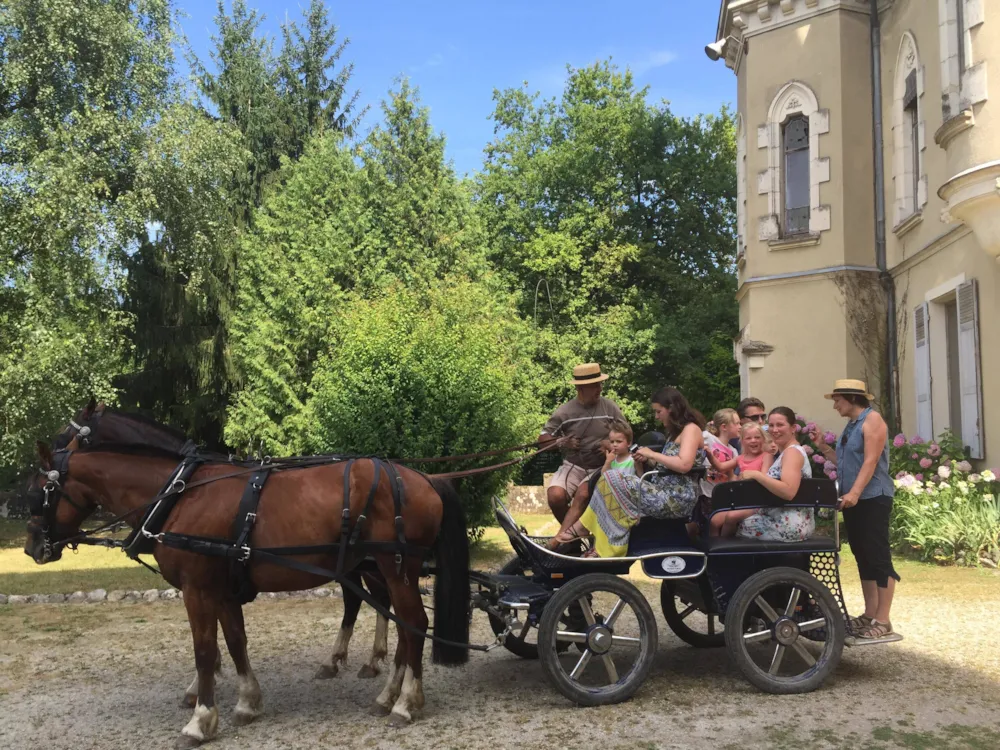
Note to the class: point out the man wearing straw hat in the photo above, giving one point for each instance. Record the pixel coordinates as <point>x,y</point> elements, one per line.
<point>579,427</point>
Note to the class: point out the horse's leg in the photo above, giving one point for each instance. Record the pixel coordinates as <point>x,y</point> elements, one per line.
<point>203,616</point>
<point>249,706</point>
<point>191,694</point>
<point>352,604</point>
<point>387,698</point>
<point>380,648</point>
<point>409,608</point>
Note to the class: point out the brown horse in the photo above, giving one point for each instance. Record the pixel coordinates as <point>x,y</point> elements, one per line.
<point>96,424</point>
<point>300,506</point>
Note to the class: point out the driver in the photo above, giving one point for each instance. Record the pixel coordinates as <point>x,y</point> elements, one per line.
<point>579,427</point>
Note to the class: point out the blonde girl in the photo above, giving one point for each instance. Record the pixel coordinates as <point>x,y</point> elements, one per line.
<point>756,456</point>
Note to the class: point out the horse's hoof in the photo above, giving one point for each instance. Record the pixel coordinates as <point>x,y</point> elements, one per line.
<point>367,672</point>
<point>186,743</point>
<point>378,709</point>
<point>398,721</point>
<point>189,701</point>
<point>241,719</point>
<point>326,672</point>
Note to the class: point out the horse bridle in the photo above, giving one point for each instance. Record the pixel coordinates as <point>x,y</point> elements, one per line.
<point>82,433</point>
<point>43,502</point>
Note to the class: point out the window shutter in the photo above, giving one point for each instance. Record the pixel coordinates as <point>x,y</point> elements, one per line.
<point>922,371</point>
<point>969,378</point>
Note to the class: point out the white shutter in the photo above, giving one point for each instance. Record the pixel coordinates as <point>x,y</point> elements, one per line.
<point>922,371</point>
<point>969,378</point>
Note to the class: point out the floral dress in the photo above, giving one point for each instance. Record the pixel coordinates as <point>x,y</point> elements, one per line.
<point>781,524</point>
<point>621,499</point>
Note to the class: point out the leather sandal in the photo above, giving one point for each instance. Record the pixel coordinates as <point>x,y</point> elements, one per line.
<point>876,630</point>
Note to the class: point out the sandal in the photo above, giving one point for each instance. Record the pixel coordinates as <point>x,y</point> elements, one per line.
<point>567,536</point>
<point>857,624</point>
<point>876,630</point>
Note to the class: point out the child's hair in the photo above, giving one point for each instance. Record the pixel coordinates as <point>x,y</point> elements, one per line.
<point>721,417</point>
<point>750,427</point>
<point>622,428</point>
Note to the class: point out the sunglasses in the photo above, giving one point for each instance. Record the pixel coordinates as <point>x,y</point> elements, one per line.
<point>756,417</point>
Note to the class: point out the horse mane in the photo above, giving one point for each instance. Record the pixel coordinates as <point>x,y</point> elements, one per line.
<point>142,419</point>
<point>151,451</point>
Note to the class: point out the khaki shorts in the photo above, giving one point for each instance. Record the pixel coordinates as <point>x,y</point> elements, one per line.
<point>570,477</point>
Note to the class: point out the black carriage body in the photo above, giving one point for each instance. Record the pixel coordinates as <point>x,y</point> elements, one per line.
<point>706,572</point>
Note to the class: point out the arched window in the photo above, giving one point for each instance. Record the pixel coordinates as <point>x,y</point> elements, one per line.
<point>795,168</point>
<point>908,171</point>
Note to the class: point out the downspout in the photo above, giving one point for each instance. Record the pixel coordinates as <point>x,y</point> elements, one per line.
<point>891,376</point>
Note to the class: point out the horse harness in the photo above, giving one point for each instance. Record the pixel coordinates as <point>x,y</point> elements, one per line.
<point>43,502</point>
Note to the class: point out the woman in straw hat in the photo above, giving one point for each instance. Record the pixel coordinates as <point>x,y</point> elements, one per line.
<point>862,460</point>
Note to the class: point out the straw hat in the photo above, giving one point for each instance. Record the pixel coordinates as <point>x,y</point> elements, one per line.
<point>850,388</point>
<point>588,374</point>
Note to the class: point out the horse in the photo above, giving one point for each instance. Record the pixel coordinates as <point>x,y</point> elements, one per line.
<point>97,424</point>
<point>299,506</point>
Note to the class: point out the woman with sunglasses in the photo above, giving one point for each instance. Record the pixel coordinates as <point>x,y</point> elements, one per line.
<point>862,461</point>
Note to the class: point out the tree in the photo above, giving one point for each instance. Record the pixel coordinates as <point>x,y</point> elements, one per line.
<point>80,84</point>
<point>615,222</point>
<point>314,101</point>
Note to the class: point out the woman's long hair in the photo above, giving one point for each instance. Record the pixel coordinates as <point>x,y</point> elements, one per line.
<point>680,411</point>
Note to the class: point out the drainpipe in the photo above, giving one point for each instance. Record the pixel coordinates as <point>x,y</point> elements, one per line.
<point>890,384</point>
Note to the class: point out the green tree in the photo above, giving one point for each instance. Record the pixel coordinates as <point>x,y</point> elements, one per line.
<point>315,102</point>
<point>615,222</point>
<point>80,85</point>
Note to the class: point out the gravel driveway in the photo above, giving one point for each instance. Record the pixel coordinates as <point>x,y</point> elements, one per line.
<point>112,676</point>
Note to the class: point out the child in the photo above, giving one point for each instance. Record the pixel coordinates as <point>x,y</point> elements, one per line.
<point>756,456</point>
<point>724,427</point>
<point>616,449</point>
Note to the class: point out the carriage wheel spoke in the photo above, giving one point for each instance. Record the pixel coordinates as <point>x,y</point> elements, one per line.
<point>711,624</point>
<point>812,624</point>
<point>567,637</point>
<point>760,635</point>
<point>793,601</point>
<point>779,654</point>
<point>613,614</point>
<point>804,654</point>
<point>524,631</point>
<point>609,665</point>
<point>580,665</point>
<point>588,613</point>
<point>691,608</point>
<point>766,609</point>
<point>625,640</point>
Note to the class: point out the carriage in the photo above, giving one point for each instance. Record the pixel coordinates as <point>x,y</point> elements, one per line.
<point>777,607</point>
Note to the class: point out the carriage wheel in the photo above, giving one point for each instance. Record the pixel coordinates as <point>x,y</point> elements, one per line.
<point>617,639</point>
<point>690,624</point>
<point>771,622</point>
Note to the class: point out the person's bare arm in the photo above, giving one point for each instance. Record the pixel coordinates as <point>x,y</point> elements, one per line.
<point>787,487</point>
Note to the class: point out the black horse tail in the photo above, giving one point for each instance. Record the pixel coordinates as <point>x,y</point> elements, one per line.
<point>451,588</point>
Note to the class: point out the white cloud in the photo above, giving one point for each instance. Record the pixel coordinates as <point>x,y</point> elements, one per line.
<point>652,61</point>
<point>432,62</point>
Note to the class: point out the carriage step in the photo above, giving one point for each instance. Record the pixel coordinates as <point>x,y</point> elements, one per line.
<point>853,641</point>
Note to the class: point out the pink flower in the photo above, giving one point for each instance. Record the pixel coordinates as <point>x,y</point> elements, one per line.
<point>925,463</point>
<point>916,440</point>
<point>899,441</point>
<point>934,450</point>
<point>800,418</point>
<point>810,426</point>
<point>819,459</point>
<point>900,474</point>
<point>798,428</point>
<point>829,438</point>
<point>963,466</point>
<point>914,456</point>
<point>832,475</point>
<point>808,449</point>
<point>919,477</point>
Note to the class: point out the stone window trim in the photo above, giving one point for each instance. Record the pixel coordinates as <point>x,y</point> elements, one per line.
<point>793,99</point>
<point>906,204</point>
<point>963,77</point>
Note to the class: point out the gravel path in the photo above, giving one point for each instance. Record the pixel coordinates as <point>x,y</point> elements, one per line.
<point>112,676</point>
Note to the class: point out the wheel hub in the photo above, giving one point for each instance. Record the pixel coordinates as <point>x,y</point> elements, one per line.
<point>599,639</point>
<point>786,631</point>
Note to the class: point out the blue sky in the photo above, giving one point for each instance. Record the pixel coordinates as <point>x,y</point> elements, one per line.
<point>458,52</point>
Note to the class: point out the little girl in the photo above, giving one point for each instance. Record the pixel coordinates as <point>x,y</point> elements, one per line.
<point>725,426</point>
<point>756,456</point>
<point>616,448</point>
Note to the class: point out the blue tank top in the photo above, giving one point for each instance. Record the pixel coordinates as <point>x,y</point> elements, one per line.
<point>851,456</point>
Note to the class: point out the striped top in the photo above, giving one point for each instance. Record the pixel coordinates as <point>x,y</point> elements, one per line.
<point>589,424</point>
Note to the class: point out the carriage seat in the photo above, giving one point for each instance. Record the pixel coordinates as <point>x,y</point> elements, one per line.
<point>723,545</point>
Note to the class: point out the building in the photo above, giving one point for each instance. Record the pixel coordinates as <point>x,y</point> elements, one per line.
<point>812,285</point>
